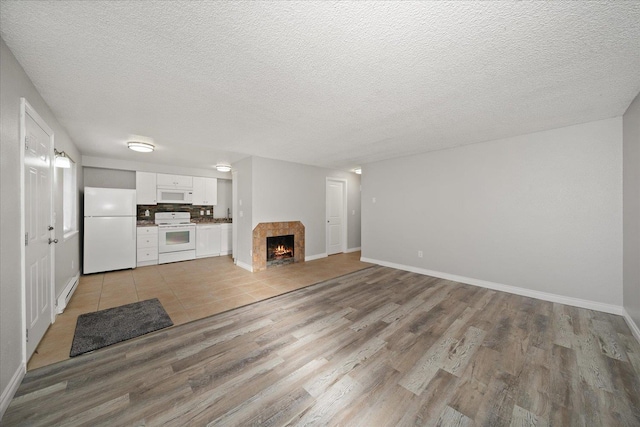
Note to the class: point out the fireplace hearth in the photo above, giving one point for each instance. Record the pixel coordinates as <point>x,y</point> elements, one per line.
<point>280,250</point>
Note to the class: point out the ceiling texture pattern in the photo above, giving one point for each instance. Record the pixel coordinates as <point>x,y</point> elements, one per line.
<point>332,84</point>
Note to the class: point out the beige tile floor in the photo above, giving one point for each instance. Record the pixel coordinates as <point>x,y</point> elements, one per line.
<point>188,291</point>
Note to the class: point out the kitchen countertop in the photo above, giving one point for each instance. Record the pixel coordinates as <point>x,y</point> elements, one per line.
<point>150,223</point>
<point>211,220</point>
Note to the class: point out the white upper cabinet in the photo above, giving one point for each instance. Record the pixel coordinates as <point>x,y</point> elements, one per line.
<point>146,188</point>
<point>178,182</point>
<point>205,191</point>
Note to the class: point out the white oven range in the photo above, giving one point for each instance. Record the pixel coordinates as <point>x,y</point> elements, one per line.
<point>176,237</point>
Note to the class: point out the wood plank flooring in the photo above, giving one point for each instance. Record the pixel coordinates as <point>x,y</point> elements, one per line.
<point>379,347</point>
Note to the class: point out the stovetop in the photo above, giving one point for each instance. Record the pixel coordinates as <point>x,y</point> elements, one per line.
<point>172,218</point>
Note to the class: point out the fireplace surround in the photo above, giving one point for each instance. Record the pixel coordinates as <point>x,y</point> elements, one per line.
<point>274,229</point>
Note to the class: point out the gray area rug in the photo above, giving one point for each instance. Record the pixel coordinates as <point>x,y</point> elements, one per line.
<point>113,325</point>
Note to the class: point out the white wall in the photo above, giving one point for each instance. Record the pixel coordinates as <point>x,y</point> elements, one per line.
<point>243,212</point>
<point>285,191</point>
<point>631,214</point>
<point>14,83</point>
<point>541,211</point>
<point>109,178</point>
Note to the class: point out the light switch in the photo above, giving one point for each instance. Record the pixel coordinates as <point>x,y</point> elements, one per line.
<point>241,214</point>
<point>353,212</point>
<point>373,200</point>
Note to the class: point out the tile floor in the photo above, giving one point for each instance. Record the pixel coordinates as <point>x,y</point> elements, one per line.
<point>188,291</point>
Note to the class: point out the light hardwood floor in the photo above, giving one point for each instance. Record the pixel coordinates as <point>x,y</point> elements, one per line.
<point>378,347</point>
<point>188,291</point>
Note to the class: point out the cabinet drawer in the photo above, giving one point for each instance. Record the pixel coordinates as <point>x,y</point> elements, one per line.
<point>147,254</point>
<point>148,242</point>
<point>146,231</point>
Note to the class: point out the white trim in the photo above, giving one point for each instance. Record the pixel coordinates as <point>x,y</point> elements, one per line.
<point>313,257</point>
<point>245,266</point>
<point>545,296</point>
<point>12,387</point>
<point>635,330</point>
<point>67,293</point>
<point>348,251</point>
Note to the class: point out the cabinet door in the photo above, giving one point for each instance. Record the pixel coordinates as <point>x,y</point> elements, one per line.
<point>165,180</point>
<point>205,191</point>
<point>207,240</point>
<point>145,188</point>
<point>225,239</point>
<point>175,181</point>
<point>184,182</point>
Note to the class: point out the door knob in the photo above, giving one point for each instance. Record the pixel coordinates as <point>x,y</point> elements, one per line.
<point>53,240</point>
<point>50,228</point>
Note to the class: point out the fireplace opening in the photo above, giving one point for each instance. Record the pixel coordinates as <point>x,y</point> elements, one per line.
<point>280,250</point>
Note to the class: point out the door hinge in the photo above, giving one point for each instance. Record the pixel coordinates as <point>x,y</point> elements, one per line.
<point>27,335</point>
<point>26,238</point>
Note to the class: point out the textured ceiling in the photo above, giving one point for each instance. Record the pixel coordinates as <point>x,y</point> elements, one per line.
<point>334,84</point>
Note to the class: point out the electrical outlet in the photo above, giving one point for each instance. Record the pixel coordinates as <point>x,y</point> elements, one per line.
<point>208,212</point>
<point>201,213</point>
<point>419,254</point>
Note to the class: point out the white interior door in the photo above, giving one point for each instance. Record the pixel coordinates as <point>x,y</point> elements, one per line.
<point>336,227</point>
<point>38,220</point>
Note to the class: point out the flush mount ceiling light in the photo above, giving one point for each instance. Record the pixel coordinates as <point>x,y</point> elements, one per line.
<point>358,171</point>
<point>62,160</point>
<point>223,167</point>
<point>141,147</point>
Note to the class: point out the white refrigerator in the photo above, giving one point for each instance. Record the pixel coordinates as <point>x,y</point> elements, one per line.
<point>109,229</point>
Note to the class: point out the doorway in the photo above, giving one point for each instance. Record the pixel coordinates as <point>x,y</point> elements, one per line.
<point>38,220</point>
<point>336,217</point>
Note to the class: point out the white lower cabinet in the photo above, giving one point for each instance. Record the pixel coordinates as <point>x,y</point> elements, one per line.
<point>147,246</point>
<point>207,240</point>
<point>225,239</point>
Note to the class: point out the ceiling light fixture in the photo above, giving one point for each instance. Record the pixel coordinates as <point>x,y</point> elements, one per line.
<point>141,147</point>
<point>358,171</point>
<point>223,167</point>
<point>61,159</point>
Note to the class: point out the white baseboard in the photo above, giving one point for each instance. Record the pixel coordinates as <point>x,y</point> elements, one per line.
<point>545,296</point>
<point>245,266</point>
<point>312,257</point>
<point>12,387</point>
<point>635,330</point>
<point>67,293</point>
<point>348,251</point>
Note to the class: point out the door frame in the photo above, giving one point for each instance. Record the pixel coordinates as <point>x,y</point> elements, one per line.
<point>345,211</point>
<point>26,108</point>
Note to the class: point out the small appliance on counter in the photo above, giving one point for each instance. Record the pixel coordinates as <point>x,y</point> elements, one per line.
<point>109,229</point>
<point>176,237</point>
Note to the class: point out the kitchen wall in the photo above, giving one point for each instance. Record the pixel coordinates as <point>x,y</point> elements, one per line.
<point>541,212</point>
<point>285,191</point>
<point>194,210</point>
<point>118,178</point>
<point>109,178</point>
<point>244,212</point>
<point>631,214</point>
<point>224,199</point>
<point>14,84</point>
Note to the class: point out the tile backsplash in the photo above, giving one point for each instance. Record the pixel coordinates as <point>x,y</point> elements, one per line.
<point>170,207</point>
